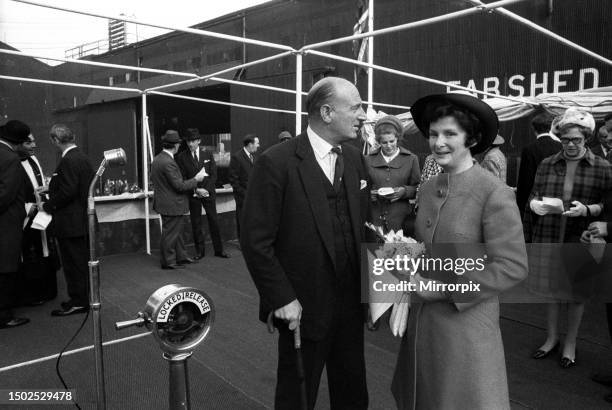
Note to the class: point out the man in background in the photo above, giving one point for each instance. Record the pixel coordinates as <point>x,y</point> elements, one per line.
<point>12,214</point>
<point>191,161</point>
<point>170,201</point>
<point>240,168</point>
<point>284,136</point>
<point>68,191</point>
<point>545,145</point>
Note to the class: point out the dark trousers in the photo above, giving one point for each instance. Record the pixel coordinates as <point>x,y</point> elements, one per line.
<point>195,214</point>
<point>8,295</point>
<point>340,351</point>
<point>75,256</point>
<point>37,272</point>
<point>172,247</point>
<point>239,204</point>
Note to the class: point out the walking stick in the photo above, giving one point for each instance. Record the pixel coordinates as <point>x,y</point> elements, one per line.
<point>299,362</point>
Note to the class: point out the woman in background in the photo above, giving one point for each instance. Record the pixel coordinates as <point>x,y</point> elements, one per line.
<point>577,179</point>
<point>394,167</point>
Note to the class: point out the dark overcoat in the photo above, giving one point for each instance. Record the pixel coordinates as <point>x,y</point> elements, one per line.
<point>171,190</point>
<point>288,239</point>
<point>12,208</point>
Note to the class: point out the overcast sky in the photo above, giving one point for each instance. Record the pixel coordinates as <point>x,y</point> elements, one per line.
<point>50,32</point>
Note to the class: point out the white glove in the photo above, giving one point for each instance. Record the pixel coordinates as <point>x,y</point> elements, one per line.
<point>578,209</point>
<point>538,207</point>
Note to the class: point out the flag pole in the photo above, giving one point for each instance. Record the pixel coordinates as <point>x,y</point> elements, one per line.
<point>370,53</point>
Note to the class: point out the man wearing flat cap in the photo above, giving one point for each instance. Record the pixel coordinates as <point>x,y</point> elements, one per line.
<point>284,136</point>
<point>170,200</point>
<point>191,161</point>
<point>12,214</point>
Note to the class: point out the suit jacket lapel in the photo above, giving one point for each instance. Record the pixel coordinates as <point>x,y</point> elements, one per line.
<point>352,187</point>
<point>311,174</point>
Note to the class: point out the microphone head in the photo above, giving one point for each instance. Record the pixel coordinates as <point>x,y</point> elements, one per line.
<point>115,157</point>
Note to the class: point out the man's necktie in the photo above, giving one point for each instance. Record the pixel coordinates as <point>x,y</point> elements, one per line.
<point>251,158</point>
<point>609,156</point>
<point>339,168</point>
<point>195,157</point>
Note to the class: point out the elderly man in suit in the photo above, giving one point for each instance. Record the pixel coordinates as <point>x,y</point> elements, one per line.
<point>170,200</point>
<point>545,145</point>
<point>68,191</point>
<point>240,168</point>
<point>302,229</point>
<point>191,161</point>
<point>12,214</point>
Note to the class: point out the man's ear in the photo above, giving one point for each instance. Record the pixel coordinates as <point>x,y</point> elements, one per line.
<point>326,113</point>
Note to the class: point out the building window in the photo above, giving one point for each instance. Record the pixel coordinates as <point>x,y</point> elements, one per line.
<point>111,81</point>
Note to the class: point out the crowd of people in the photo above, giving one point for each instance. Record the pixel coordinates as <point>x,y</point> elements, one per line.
<point>302,224</point>
<point>300,212</point>
<point>29,257</point>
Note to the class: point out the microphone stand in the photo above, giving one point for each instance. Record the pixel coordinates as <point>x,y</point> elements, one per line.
<point>94,290</point>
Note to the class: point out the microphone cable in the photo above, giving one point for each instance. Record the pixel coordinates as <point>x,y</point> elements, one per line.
<point>59,357</point>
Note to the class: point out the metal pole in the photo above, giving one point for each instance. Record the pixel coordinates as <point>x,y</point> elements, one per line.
<point>100,87</point>
<point>298,93</point>
<point>178,394</point>
<point>251,107</point>
<point>97,64</point>
<point>437,19</point>
<point>230,69</point>
<point>145,172</point>
<point>547,32</point>
<point>94,291</point>
<point>417,77</point>
<point>166,27</point>
<point>370,52</point>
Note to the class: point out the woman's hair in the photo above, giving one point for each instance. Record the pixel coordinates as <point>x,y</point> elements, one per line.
<point>384,129</point>
<point>468,121</point>
<point>586,132</point>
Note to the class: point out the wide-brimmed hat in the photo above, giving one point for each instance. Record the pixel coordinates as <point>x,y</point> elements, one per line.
<point>499,140</point>
<point>390,120</point>
<point>193,134</point>
<point>15,131</point>
<point>424,107</point>
<point>171,136</point>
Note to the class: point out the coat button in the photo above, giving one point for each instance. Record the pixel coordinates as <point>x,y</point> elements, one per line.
<point>428,222</point>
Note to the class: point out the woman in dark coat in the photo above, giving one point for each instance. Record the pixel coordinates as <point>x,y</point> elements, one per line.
<point>392,166</point>
<point>452,355</point>
<point>578,180</point>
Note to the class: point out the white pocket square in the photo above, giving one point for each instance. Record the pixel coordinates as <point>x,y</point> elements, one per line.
<point>206,160</point>
<point>362,184</point>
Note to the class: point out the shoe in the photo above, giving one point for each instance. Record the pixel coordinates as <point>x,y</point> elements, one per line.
<point>199,256</point>
<point>14,322</point>
<point>185,261</point>
<point>605,379</point>
<point>222,255</point>
<point>74,310</point>
<point>540,353</point>
<point>566,362</point>
<point>173,266</point>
